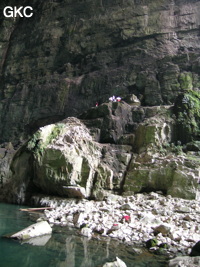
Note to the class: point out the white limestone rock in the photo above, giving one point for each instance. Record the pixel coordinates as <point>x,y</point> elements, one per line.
<point>34,230</point>
<point>86,231</point>
<point>39,241</point>
<point>117,263</point>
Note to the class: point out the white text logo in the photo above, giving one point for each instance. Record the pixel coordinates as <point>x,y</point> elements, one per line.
<point>20,11</point>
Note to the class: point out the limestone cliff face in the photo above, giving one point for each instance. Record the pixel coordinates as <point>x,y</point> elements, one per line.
<point>115,148</point>
<point>71,54</point>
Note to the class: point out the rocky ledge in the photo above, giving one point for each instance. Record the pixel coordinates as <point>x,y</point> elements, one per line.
<point>117,148</point>
<point>163,224</point>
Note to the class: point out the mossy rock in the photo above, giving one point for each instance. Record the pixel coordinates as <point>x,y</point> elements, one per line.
<point>185,80</point>
<point>39,142</point>
<point>151,243</point>
<point>193,146</point>
<point>164,246</point>
<point>187,111</point>
<point>145,135</point>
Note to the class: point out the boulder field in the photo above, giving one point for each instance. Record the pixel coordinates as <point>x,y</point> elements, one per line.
<point>165,225</point>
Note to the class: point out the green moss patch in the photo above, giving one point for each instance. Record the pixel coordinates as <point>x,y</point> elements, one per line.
<point>37,143</point>
<point>187,110</point>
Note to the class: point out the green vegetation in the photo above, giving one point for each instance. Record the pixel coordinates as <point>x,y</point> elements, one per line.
<point>192,102</point>
<point>151,243</point>
<point>187,109</point>
<point>195,158</point>
<point>171,148</point>
<point>37,144</point>
<point>185,80</point>
<point>54,133</point>
<point>34,141</point>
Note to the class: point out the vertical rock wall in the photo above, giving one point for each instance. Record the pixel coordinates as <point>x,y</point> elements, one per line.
<point>71,54</point>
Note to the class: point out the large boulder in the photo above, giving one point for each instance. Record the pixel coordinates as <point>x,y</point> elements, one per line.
<point>156,129</point>
<point>64,160</point>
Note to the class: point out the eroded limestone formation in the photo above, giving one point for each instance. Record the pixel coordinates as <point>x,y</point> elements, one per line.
<point>114,148</point>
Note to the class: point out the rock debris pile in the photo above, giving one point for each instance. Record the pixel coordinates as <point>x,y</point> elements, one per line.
<point>168,222</point>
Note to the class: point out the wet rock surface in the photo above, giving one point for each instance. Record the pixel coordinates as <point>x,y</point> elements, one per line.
<point>7,152</point>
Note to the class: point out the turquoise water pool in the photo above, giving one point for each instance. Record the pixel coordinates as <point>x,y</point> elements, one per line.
<point>64,247</point>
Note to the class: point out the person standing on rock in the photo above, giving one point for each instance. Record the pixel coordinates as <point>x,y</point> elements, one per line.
<point>112,98</point>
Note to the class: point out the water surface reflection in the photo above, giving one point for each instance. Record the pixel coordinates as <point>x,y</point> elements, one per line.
<point>65,247</point>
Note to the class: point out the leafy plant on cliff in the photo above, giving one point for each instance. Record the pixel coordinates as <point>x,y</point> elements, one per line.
<point>171,148</point>
<point>187,110</point>
<point>32,144</point>
<point>185,80</point>
<point>37,145</point>
<point>54,133</point>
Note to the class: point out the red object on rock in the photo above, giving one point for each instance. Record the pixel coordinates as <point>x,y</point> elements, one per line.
<point>127,218</point>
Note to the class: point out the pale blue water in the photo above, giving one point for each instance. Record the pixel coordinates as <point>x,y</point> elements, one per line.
<point>64,248</point>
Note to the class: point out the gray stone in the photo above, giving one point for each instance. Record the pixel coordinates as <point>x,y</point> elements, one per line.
<point>163,229</point>
<point>126,207</point>
<point>85,231</point>
<point>185,261</point>
<point>68,162</point>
